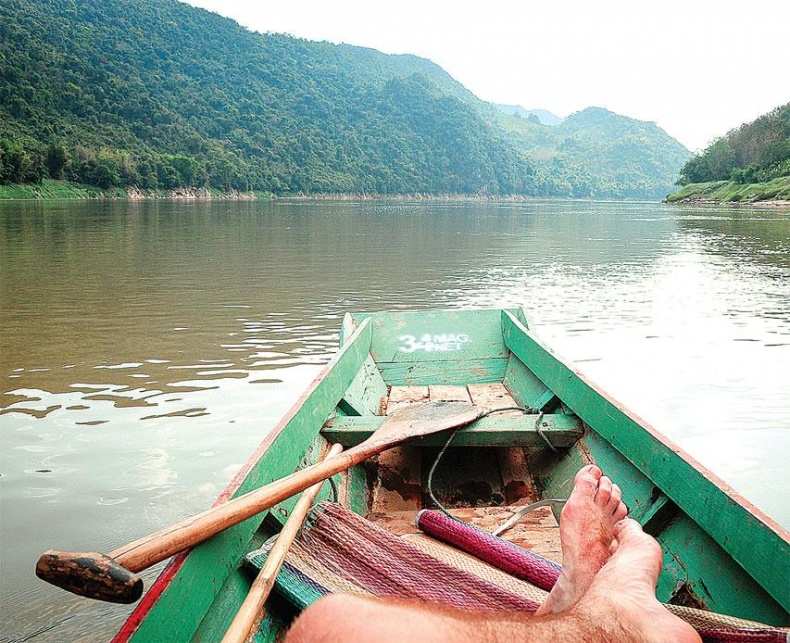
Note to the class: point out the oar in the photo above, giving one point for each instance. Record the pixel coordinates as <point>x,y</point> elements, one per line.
<point>113,577</point>
<point>251,611</point>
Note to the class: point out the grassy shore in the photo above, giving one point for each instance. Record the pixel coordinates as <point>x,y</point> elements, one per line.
<point>777,190</point>
<point>49,189</point>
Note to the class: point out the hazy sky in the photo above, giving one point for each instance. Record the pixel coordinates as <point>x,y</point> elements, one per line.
<point>696,67</point>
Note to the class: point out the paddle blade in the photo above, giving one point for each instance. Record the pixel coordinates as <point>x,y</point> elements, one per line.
<point>419,420</point>
<point>91,575</point>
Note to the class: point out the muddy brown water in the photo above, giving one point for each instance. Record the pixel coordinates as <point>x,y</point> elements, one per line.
<point>147,347</point>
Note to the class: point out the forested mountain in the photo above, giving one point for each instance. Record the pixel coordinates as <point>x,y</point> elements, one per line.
<point>752,153</point>
<point>596,152</point>
<point>159,94</point>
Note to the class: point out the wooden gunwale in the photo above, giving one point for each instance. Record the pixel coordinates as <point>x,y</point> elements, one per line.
<point>758,544</point>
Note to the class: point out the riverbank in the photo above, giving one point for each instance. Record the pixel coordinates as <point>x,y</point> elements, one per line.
<point>53,190</point>
<point>49,189</point>
<point>775,192</point>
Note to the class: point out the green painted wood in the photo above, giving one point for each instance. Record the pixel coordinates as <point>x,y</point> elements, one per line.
<point>693,559</point>
<point>545,400</point>
<point>471,371</point>
<point>189,596</point>
<point>660,510</point>
<point>426,336</point>
<point>757,544</point>
<point>364,396</point>
<point>492,431</point>
<point>315,452</point>
<point>224,607</point>
<point>356,492</point>
<point>522,384</point>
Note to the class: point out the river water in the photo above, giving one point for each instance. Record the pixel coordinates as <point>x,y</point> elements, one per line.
<point>147,347</point>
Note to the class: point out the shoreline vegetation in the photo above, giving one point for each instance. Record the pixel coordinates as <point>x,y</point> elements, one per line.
<point>749,164</point>
<point>773,192</point>
<point>50,189</point>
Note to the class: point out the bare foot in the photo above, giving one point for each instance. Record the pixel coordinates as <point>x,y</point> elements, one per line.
<point>621,600</point>
<point>587,535</point>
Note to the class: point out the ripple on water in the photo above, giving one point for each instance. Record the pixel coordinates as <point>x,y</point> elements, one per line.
<point>109,501</point>
<point>41,492</point>
<point>119,367</point>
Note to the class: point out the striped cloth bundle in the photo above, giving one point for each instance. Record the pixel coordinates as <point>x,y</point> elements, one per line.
<point>340,551</point>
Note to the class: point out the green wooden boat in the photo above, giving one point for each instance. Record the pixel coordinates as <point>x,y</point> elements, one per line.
<point>720,552</point>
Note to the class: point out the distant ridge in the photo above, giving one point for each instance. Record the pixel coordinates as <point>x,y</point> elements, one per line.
<point>544,116</point>
<point>596,152</point>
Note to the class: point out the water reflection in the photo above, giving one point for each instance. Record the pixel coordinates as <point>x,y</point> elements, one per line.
<point>148,347</point>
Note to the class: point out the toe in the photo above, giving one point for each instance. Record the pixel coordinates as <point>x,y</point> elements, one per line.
<point>614,499</point>
<point>627,529</point>
<point>620,512</point>
<point>604,493</point>
<point>587,478</point>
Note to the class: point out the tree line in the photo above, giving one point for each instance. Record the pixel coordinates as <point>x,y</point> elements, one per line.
<point>752,153</point>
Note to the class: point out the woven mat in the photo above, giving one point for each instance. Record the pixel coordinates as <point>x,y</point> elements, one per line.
<point>472,565</point>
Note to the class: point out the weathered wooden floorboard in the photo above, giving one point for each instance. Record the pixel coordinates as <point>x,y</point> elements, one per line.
<point>402,395</point>
<point>440,393</point>
<point>492,396</point>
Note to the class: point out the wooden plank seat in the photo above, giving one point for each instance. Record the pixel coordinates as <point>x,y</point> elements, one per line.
<point>559,429</point>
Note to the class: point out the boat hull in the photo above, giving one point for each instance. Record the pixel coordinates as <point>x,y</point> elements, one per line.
<point>720,552</point>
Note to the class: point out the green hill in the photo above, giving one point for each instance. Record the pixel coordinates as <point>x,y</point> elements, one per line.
<point>749,163</point>
<point>159,94</point>
<point>596,152</point>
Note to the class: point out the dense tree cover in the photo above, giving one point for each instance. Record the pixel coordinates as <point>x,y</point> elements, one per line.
<point>159,94</point>
<point>752,153</point>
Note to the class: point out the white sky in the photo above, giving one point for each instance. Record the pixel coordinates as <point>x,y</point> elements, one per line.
<point>696,67</point>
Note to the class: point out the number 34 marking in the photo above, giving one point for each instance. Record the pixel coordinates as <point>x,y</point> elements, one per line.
<point>433,343</point>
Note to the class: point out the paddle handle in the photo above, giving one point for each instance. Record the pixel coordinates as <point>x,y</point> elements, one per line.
<point>250,614</point>
<point>114,578</point>
<point>151,549</point>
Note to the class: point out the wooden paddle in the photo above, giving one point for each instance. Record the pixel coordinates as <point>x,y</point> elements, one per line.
<point>113,577</point>
<point>250,613</point>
